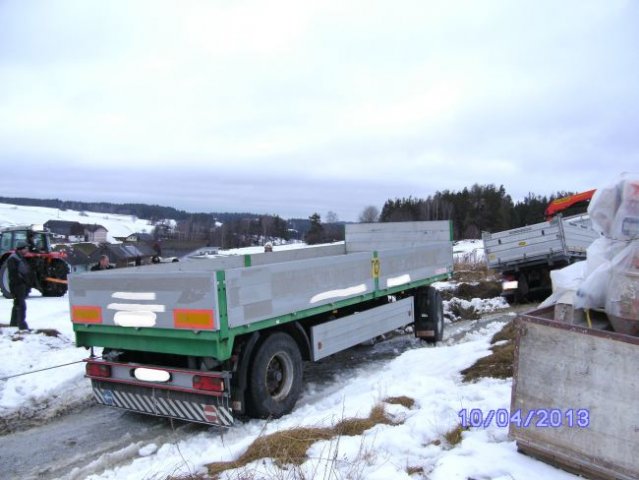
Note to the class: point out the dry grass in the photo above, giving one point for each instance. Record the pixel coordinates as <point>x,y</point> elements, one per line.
<point>508,334</point>
<point>289,447</point>
<point>403,401</point>
<point>415,471</point>
<point>479,289</point>
<point>499,364</point>
<point>188,476</point>
<point>454,437</point>
<point>471,271</point>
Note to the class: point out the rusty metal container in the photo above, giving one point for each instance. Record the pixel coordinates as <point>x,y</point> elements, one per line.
<point>574,396</point>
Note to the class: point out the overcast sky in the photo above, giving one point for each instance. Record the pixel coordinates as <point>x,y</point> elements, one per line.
<point>296,107</point>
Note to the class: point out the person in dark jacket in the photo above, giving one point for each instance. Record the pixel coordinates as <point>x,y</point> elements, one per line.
<point>103,264</point>
<point>19,285</point>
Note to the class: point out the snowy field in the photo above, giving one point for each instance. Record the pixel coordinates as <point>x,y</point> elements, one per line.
<point>415,444</point>
<point>117,225</point>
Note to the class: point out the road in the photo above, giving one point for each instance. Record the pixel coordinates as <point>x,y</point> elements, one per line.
<point>96,438</point>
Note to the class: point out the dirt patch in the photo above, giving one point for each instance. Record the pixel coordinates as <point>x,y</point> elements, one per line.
<point>498,364</point>
<point>49,332</point>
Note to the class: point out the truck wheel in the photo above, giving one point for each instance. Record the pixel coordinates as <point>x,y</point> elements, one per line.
<point>275,377</point>
<point>59,270</point>
<point>4,281</point>
<point>435,312</point>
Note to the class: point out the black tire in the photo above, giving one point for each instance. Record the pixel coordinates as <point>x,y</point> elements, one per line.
<point>57,269</point>
<point>435,311</point>
<point>275,377</point>
<point>4,281</point>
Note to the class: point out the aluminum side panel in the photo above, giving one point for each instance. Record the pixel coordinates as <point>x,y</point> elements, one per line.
<point>262,292</point>
<point>298,254</point>
<point>382,236</point>
<point>530,242</point>
<point>578,238</point>
<point>337,335</point>
<point>402,266</point>
<point>539,241</point>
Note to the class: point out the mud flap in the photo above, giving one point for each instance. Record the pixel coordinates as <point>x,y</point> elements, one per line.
<point>191,407</point>
<point>428,315</point>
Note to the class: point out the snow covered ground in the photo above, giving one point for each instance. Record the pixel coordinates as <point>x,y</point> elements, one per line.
<point>434,383</point>
<point>469,251</point>
<point>385,451</point>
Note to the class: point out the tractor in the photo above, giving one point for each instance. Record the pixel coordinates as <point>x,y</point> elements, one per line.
<point>49,269</point>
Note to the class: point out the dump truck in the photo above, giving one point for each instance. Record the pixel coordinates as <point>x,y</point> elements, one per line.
<point>525,256</point>
<point>213,340</point>
<point>574,393</point>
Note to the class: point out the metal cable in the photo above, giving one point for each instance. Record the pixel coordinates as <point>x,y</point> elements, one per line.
<point>39,370</point>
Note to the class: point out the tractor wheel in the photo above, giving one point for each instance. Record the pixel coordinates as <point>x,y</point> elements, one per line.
<point>58,270</point>
<point>275,377</point>
<point>4,281</point>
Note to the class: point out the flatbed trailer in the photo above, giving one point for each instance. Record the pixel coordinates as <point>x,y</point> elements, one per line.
<point>210,340</point>
<point>524,256</point>
<point>574,395</point>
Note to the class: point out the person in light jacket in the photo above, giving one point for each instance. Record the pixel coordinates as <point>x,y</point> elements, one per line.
<point>19,285</point>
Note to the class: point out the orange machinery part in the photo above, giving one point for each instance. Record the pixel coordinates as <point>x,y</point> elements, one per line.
<point>563,203</point>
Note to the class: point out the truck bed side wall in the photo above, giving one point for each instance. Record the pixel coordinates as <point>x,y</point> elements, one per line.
<point>538,242</point>
<point>260,293</point>
<point>263,292</point>
<point>579,235</point>
<point>367,237</point>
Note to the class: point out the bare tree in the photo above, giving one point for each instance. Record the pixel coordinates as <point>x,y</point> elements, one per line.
<point>370,214</point>
<point>331,217</point>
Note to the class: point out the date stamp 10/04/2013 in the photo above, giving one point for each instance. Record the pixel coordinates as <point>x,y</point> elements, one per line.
<point>539,418</point>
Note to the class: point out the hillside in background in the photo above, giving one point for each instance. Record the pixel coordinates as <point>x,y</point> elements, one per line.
<point>140,210</point>
<point>117,225</point>
<point>224,229</point>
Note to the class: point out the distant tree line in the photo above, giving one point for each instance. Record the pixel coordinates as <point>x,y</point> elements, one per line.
<point>472,210</point>
<point>480,208</point>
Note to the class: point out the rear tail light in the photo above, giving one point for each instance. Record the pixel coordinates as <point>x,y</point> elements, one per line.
<point>98,370</point>
<point>210,384</point>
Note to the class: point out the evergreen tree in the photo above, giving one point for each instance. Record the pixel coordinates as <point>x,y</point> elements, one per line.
<point>315,233</point>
